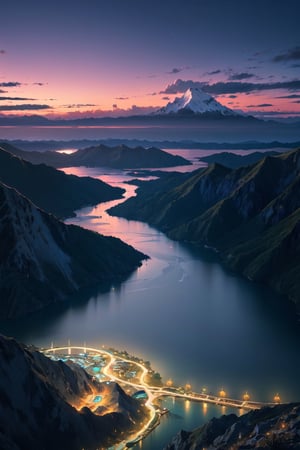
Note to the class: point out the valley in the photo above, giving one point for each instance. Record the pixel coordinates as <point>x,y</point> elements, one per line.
<point>214,301</point>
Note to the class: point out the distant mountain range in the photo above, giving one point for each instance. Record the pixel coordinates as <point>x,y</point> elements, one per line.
<point>118,157</point>
<point>37,398</point>
<point>51,189</point>
<point>251,215</point>
<point>44,261</point>
<point>45,145</point>
<point>234,161</point>
<point>196,102</point>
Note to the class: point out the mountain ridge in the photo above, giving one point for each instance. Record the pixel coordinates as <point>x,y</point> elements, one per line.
<point>249,214</point>
<point>43,261</point>
<point>274,427</point>
<point>118,157</point>
<point>38,399</point>
<point>51,189</point>
<point>196,101</point>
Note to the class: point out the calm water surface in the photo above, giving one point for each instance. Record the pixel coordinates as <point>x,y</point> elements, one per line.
<point>195,321</point>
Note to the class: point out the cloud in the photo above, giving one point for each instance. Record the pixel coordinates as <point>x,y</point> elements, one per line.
<point>178,70</point>
<point>2,52</point>
<point>99,113</point>
<point>246,87</point>
<point>232,96</point>
<point>121,98</point>
<point>213,72</point>
<point>39,84</point>
<point>241,76</point>
<point>22,99</point>
<point>175,70</point>
<point>10,84</point>
<point>262,105</point>
<point>2,91</point>
<point>23,107</point>
<point>295,66</point>
<point>136,110</point>
<point>296,101</point>
<point>78,105</point>
<point>166,98</point>
<point>291,55</point>
<point>229,87</point>
<point>290,96</point>
<point>180,86</point>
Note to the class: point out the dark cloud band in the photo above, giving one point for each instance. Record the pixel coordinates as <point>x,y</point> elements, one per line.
<point>291,55</point>
<point>230,87</point>
<point>25,107</point>
<point>10,84</point>
<point>22,99</point>
<point>241,76</point>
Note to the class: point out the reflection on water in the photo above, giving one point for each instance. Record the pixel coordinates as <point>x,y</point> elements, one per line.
<point>183,415</point>
<point>195,321</point>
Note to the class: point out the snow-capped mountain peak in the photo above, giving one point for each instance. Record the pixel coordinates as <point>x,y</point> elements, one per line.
<point>196,101</point>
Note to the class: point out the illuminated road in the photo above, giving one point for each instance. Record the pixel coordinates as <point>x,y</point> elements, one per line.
<point>154,392</point>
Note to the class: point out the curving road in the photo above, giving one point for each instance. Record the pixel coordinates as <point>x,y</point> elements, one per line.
<point>154,392</point>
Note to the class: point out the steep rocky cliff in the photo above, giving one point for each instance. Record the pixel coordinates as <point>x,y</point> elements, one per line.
<point>250,214</point>
<point>269,428</point>
<point>37,404</point>
<point>43,261</point>
<point>51,189</point>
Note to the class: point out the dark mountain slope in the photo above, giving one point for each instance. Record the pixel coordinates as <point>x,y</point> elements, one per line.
<point>118,157</point>
<point>121,157</point>
<point>275,427</point>
<point>51,189</point>
<point>250,214</point>
<point>43,261</point>
<point>37,404</point>
<point>234,161</point>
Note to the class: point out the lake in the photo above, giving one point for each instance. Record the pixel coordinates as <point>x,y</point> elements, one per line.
<point>193,319</point>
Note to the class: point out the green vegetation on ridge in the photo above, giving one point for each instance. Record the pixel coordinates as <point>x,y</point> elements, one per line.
<point>250,214</point>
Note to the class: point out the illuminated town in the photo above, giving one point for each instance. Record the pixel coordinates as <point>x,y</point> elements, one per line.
<point>138,379</point>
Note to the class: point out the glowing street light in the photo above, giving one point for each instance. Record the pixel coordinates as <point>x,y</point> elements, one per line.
<point>277,398</point>
<point>222,393</point>
<point>246,397</point>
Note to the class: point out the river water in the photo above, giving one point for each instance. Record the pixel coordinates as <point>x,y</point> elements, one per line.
<point>194,320</point>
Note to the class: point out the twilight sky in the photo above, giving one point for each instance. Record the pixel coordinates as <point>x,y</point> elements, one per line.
<point>101,57</point>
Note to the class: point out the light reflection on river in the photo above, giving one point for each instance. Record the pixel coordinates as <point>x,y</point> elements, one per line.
<point>185,313</point>
<point>192,319</point>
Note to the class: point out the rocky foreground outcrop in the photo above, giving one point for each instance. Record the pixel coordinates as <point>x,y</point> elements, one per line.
<point>37,398</point>
<point>43,261</point>
<point>251,215</point>
<point>275,427</point>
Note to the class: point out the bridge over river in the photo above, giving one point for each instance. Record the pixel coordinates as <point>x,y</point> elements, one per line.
<point>114,358</point>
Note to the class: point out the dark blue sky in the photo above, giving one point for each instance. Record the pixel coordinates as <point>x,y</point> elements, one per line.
<point>95,55</point>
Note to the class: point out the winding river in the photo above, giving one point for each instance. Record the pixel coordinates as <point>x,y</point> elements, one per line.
<point>194,320</point>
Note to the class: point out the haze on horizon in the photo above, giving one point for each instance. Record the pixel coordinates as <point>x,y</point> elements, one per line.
<point>112,58</point>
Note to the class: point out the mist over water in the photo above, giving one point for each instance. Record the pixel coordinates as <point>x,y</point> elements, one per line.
<point>206,131</point>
